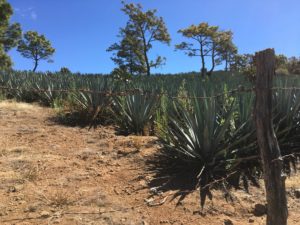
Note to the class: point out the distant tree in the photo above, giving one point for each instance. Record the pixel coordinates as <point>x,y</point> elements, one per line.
<point>281,64</point>
<point>128,54</point>
<point>286,66</point>
<point>142,29</point>
<point>222,49</point>
<point>242,62</point>
<point>5,60</point>
<point>10,34</point>
<point>36,47</point>
<point>202,34</point>
<point>121,74</point>
<point>227,49</point>
<point>65,70</point>
<point>281,61</point>
<point>208,41</point>
<point>294,65</point>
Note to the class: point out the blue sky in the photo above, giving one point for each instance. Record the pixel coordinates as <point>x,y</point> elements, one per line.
<point>82,30</point>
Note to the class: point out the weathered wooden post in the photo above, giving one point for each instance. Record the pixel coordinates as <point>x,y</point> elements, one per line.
<point>267,141</point>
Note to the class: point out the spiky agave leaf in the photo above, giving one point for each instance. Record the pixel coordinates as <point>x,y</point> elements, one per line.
<point>286,124</point>
<point>198,138</point>
<point>135,113</point>
<point>94,100</point>
<point>243,143</point>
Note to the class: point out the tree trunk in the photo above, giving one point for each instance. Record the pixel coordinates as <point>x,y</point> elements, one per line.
<point>267,141</point>
<point>35,65</point>
<point>212,61</point>
<point>146,59</point>
<point>147,63</point>
<point>203,69</point>
<point>226,63</point>
<point>145,53</point>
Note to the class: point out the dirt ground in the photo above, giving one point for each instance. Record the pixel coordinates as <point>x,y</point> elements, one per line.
<point>55,174</point>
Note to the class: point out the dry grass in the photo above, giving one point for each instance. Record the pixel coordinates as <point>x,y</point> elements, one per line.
<point>59,198</point>
<point>5,151</point>
<point>30,174</point>
<point>293,182</point>
<point>137,142</point>
<point>42,176</point>
<point>13,105</point>
<point>18,108</point>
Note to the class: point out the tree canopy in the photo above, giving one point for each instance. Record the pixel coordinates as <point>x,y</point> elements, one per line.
<point>10,34</point>
<point>208,41</point>
<point>36,47</point>
<point>141,30</point>
<point>128,53</point>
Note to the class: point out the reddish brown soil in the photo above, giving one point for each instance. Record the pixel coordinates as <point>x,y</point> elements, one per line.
<point>54,174</point>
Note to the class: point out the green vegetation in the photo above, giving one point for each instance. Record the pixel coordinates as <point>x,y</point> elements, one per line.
<point>142,29</point>
<point>211,138</point>
<point>210,42</point>
<point>207,131</point>
<point>36,47</point>
<point>135,113</point>
<point>9,34</point>
<point>65,70</point>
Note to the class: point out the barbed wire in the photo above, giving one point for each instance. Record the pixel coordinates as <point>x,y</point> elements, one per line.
<point>134,91</point>
<point>104,93</point>
<point>286,88</point>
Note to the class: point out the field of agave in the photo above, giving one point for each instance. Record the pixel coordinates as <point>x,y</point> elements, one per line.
<point>207,131</point>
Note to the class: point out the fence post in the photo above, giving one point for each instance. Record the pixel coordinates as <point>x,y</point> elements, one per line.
<point>267,141</point>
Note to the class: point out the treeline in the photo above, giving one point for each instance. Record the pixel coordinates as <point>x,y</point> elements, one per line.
<point>130,54</point>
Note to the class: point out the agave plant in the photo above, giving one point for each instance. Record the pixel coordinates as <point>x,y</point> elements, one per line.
<point>94,101</point>
<point>197,137</point>
<point>16,89</point>
<point>286,121</point>
<point>243,143</point>
<point>47,93</point>
<point>135,113</point>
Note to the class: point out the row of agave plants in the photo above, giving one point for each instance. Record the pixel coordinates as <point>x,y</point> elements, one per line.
<point>210,141</point>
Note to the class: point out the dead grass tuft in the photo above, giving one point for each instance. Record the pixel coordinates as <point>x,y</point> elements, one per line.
<point>31,174</point>
<point>13,105</point>
<point>293,182</point>
<point>137,142</point>
<point>59,199</point>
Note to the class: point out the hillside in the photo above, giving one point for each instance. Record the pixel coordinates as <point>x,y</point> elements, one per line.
<point>53,174</point>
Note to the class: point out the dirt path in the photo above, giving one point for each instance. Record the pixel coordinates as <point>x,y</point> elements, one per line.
<point>53,174</point>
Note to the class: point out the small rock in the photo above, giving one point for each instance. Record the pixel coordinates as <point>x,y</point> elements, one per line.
<point>251,220</point>
<point>22,202</point>
<point>186,209</point>
<point>31,208</point>
<point>297,193</point>
<point>143,184</point>
<point>144,223</point>
<point>17,198</point>
<point>259,210</point>
<point>102,210</point>
<point>197,212</point>
<point>12,189</point>
<point>45,214</point>
<point>228,222</point>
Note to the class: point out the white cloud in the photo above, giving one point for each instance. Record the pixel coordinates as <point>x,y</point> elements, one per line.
<point>33,15</point>
<point>28,12</point>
